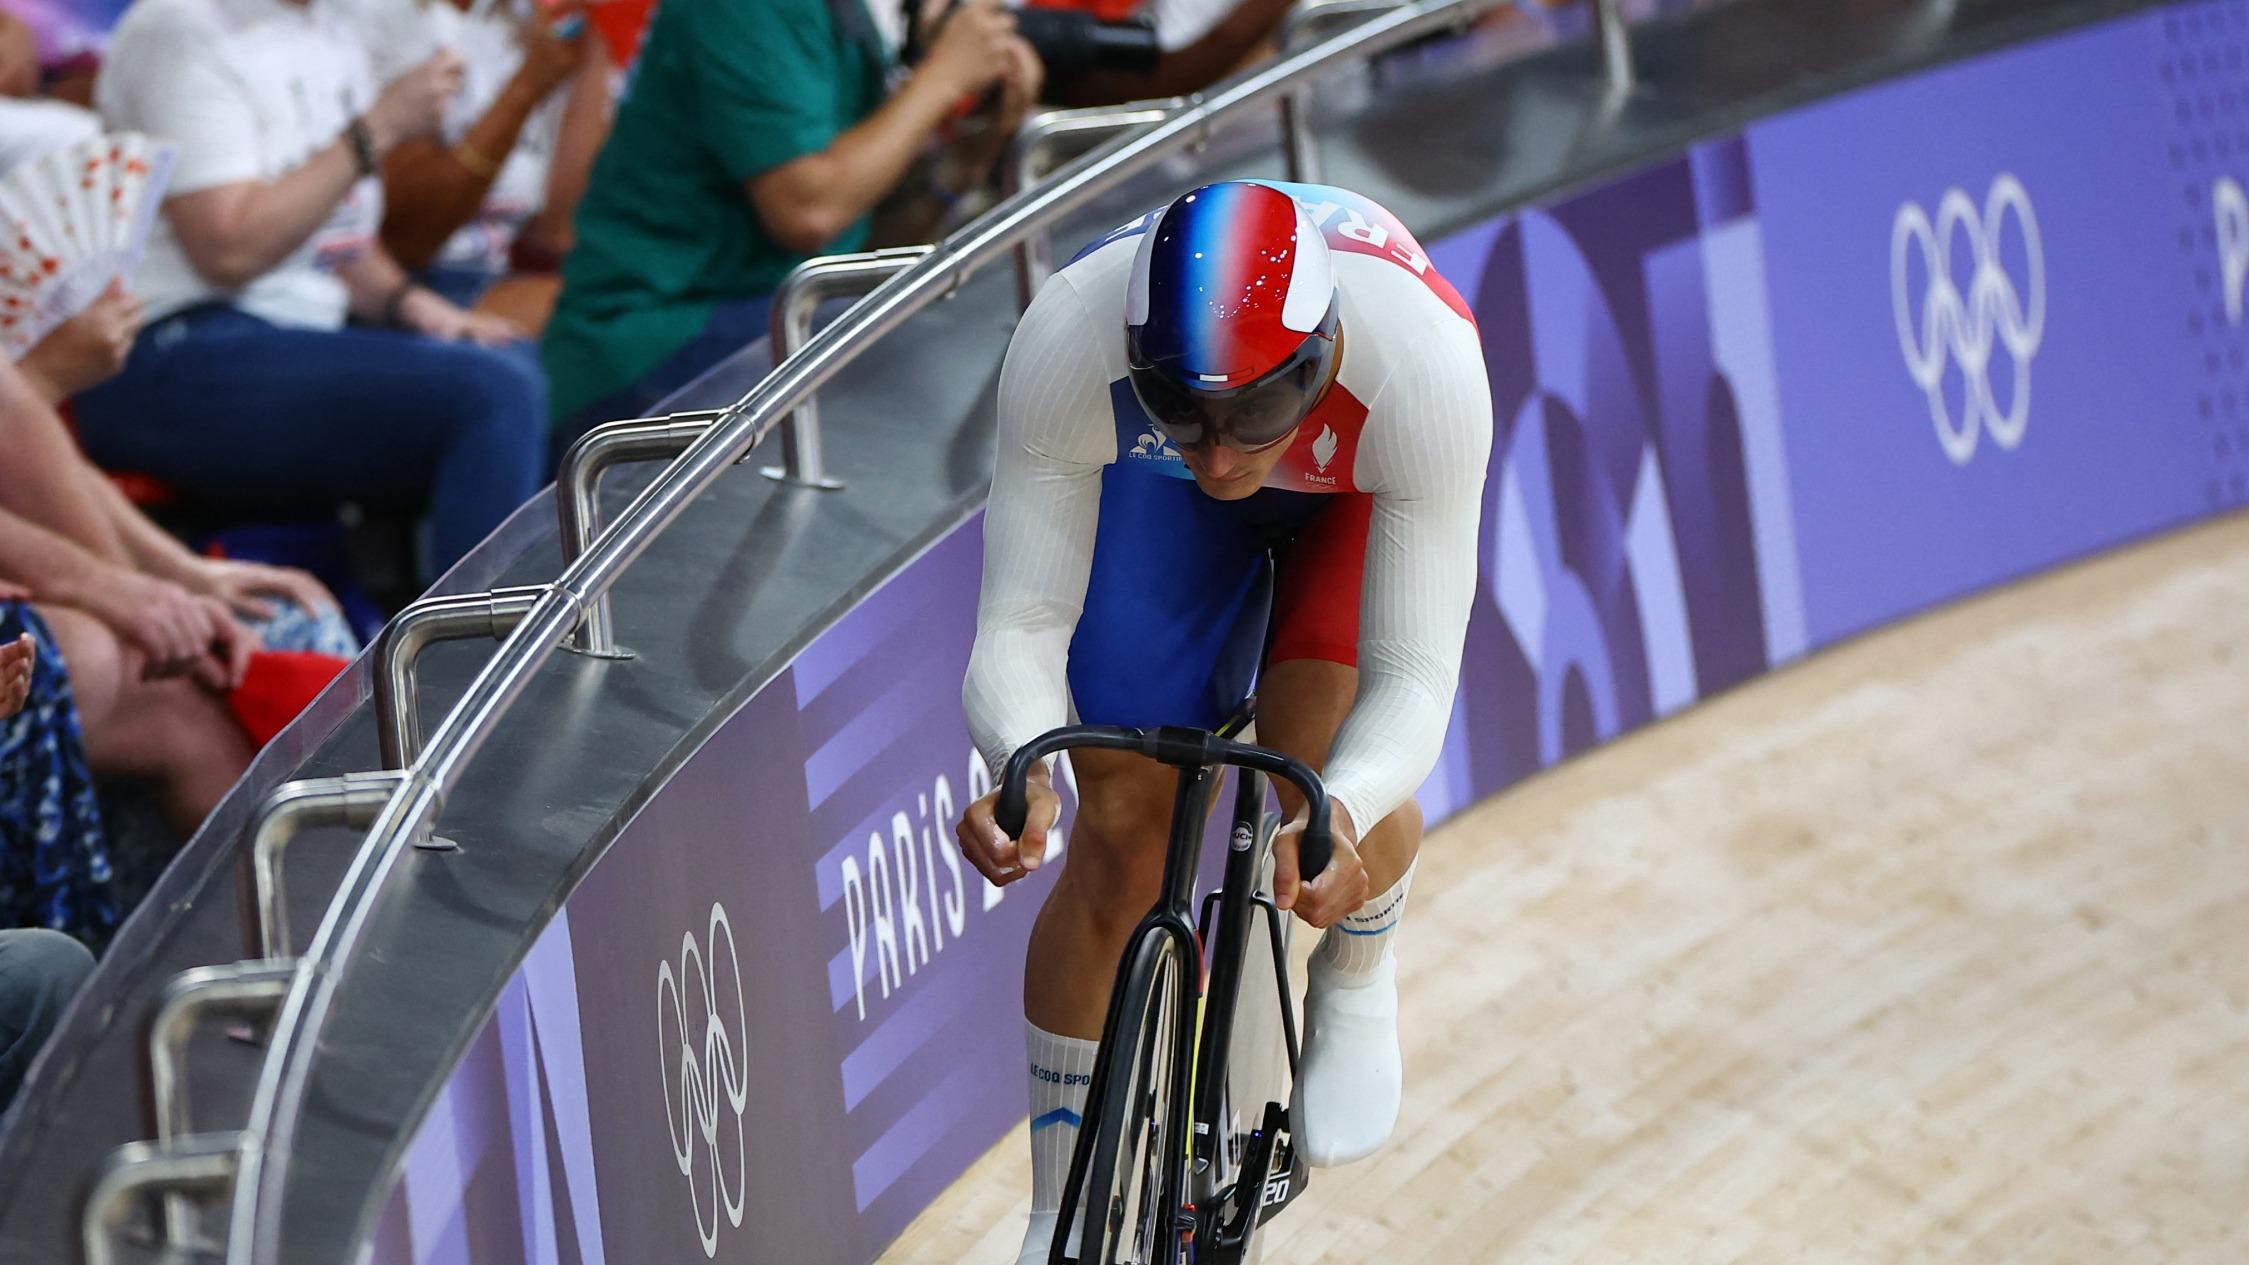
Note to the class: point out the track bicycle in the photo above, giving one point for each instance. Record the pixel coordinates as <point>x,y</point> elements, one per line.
<point>1166,1170</point>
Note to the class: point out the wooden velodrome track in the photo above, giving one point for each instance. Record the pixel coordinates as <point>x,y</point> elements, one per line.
<point>1934,947</point>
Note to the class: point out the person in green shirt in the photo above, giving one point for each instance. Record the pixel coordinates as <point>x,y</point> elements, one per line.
<point>755,133</point>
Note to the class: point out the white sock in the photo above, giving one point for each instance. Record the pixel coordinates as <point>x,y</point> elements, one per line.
<point>1353,947</point>
<point>1061,1072</point>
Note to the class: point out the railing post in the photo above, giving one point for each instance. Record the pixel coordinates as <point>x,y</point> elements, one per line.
<point>398,723</point>
<point>203,1163</point>
<point>243,990</point>
<point>578,506</point>
<point>1031,155</point>
<point>1615,38</point>
<point>795,303</point>
<point>355,799</point>
<point>1305,24</point>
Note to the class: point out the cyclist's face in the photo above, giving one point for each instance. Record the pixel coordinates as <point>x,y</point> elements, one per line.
<point>1229,474</point>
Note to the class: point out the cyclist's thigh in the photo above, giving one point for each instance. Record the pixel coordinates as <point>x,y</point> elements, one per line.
<point>1321,581</point>
<point>1172,571</point>
<point>1312,674</point>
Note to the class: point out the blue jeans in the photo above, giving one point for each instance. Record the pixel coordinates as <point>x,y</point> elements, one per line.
<point>734,324</point>
<point>461,287</point>
<point>39,973</point>
<point>251,417</point>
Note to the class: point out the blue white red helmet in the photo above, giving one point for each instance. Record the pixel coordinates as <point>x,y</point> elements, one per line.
<point>1231,328</point>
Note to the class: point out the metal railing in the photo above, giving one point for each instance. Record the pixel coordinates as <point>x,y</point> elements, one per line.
<point>577,502</point>
<point>351,800</point>
<point>795,303</point>
<point>401,805</point>
<point>1036,151</point>
<point>202,1164</point>
<point>244,990</point>
<point>398,656</point>
<point>1300,149</point>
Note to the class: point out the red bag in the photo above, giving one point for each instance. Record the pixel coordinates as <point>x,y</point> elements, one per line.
<point>278,685</point>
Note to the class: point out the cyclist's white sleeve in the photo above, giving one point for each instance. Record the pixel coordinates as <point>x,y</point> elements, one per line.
<point>1423,455</point>
<point>1055,434</point>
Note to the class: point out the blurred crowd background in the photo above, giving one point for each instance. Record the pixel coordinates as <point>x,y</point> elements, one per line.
<point>406,252</point>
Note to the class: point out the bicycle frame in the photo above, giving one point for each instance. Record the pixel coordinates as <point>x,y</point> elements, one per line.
<point>1213,1216</point>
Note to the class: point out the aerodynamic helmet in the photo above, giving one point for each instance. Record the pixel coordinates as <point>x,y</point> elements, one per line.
<point>1231,326</point>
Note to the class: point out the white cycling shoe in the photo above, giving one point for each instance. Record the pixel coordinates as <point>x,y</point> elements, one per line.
<point>1351,1077</point>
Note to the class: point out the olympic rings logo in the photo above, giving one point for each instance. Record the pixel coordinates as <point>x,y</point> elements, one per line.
<point>712,1081</point>
<point>2231,205</point>
<point>1969,328</point>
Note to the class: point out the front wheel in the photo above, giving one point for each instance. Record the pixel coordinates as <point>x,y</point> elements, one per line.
<point>1139,1147</point>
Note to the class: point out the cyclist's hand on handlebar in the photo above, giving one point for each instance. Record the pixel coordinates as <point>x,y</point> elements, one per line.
<point>1339,889</point>
<point>987,847</point>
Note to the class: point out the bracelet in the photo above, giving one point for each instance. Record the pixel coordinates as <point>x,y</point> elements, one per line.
<point>362,142</point>
<point>469,156</point>
<point>396,300</point>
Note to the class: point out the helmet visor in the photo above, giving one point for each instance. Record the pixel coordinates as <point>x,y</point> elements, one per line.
<point>1257,414</point>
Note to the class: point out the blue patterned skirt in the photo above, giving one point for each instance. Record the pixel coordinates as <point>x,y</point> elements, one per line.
<point>54,866</point>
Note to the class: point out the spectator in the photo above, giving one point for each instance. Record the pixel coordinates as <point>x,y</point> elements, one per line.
<point>85,350</point>
<point>496,188</point>
<point>16,661</point>
<point>247,390</point>
<point>1203,41</point>
<point>29,123</point>
<point>19,57</point>
<point>755,134</point>
<point>150,631</point>
<point>39,969</point>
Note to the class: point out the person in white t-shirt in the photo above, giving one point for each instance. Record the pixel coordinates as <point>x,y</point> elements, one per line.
<point>257,386</point>
<point>494,190</point>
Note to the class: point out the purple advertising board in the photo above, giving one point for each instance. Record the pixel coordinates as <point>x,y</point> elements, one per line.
<point>1802,381</point>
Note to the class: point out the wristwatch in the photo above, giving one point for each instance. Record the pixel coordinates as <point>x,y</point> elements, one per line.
<point>362,142</point>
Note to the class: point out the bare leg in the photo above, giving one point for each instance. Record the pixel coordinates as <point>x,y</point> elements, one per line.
<point>1300,706</point>
<point>1110,876</point>
<point>172,732</point>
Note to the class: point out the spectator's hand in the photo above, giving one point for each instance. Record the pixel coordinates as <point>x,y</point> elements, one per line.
<point>87,349</point>
<point>176,633</point>
<point>975,46</point>
<point>414,103</point>
<point>1021,86</point>
<point>16,660</point>
<point>19,58</point>
<point>427,312</point>
<point>549,59</point>
<point>242,588</point>
<point>229,650</point>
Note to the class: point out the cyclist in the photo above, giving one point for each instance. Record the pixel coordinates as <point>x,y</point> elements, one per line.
<point>1256,366</point>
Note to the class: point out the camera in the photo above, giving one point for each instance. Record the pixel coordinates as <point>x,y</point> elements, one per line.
<point>1067,42</point>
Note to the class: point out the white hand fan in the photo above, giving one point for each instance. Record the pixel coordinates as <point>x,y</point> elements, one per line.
<point>71,221</point>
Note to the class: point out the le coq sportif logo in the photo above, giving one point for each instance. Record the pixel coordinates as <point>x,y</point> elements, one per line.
<point>1962,299</point>
<point>702,1034</point>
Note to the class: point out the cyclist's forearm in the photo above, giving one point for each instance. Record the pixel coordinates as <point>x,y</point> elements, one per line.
<point>1016,689</point>
<point>1420,576</point>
